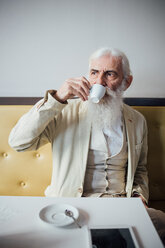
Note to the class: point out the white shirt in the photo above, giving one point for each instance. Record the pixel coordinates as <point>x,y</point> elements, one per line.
<point>114,138</point>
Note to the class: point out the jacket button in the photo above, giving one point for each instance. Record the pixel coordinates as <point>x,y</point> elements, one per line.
<point>80,190</point>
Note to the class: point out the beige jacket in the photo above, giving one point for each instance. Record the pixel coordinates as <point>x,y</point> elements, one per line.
<point>67,128</point>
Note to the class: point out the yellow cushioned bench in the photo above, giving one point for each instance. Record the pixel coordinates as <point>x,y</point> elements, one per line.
<point>21,173</point>
<point>29,173</point>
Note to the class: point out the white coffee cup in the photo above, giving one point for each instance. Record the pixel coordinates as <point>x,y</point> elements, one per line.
<point>97,92</point>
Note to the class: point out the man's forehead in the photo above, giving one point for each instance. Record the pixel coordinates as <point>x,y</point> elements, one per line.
<point>106,61</point>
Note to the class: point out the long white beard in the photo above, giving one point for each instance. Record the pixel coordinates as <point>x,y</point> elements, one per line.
<point>108,111</point>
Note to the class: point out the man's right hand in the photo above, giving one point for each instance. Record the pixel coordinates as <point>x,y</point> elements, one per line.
<point>74,87</point>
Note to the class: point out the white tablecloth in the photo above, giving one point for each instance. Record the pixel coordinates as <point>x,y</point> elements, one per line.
<point>20,225</point>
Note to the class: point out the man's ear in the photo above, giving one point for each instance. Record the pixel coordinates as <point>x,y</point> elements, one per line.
<point>128,82</point>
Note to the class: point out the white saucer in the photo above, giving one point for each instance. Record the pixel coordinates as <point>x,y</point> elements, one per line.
<point>55,214</point>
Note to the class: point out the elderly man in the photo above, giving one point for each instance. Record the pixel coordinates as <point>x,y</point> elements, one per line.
<point>99,150</point>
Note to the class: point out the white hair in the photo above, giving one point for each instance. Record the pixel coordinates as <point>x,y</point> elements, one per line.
<point>115,53</point>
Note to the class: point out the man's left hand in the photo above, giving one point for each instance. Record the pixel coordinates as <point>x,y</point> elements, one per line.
<point>144,202</point>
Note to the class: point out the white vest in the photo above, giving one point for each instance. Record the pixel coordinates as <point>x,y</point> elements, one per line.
<point>105,173</point>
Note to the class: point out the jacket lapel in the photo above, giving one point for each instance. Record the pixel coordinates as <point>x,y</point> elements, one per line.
<point>84,137</point>
<point>129,123</point>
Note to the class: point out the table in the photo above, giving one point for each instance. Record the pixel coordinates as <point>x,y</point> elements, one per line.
<point>20,225</point>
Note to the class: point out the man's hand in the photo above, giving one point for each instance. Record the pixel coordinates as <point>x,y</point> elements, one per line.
<point>144,202</point>
<point>73,87</point>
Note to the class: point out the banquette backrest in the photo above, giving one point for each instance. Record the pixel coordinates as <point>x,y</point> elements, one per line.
<point>29,173</point>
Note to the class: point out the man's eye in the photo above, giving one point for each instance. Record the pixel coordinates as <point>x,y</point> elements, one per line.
<point>111,74</point>
<point>93,72</point>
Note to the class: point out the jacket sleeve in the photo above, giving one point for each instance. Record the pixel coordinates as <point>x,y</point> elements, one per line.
<point>37,127</point>
<point>140,185</point>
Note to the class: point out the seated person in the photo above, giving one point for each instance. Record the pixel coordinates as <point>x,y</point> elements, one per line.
<point>99,150</point>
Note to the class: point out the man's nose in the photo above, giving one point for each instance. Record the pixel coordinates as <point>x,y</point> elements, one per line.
<point>101,80</point>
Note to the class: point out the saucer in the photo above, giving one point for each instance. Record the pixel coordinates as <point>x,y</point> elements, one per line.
<point>55,214</point>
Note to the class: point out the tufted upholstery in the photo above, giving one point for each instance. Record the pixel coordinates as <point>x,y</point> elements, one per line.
<point>155,117</point>
<point>29,173</point>
<point>24,173</point>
